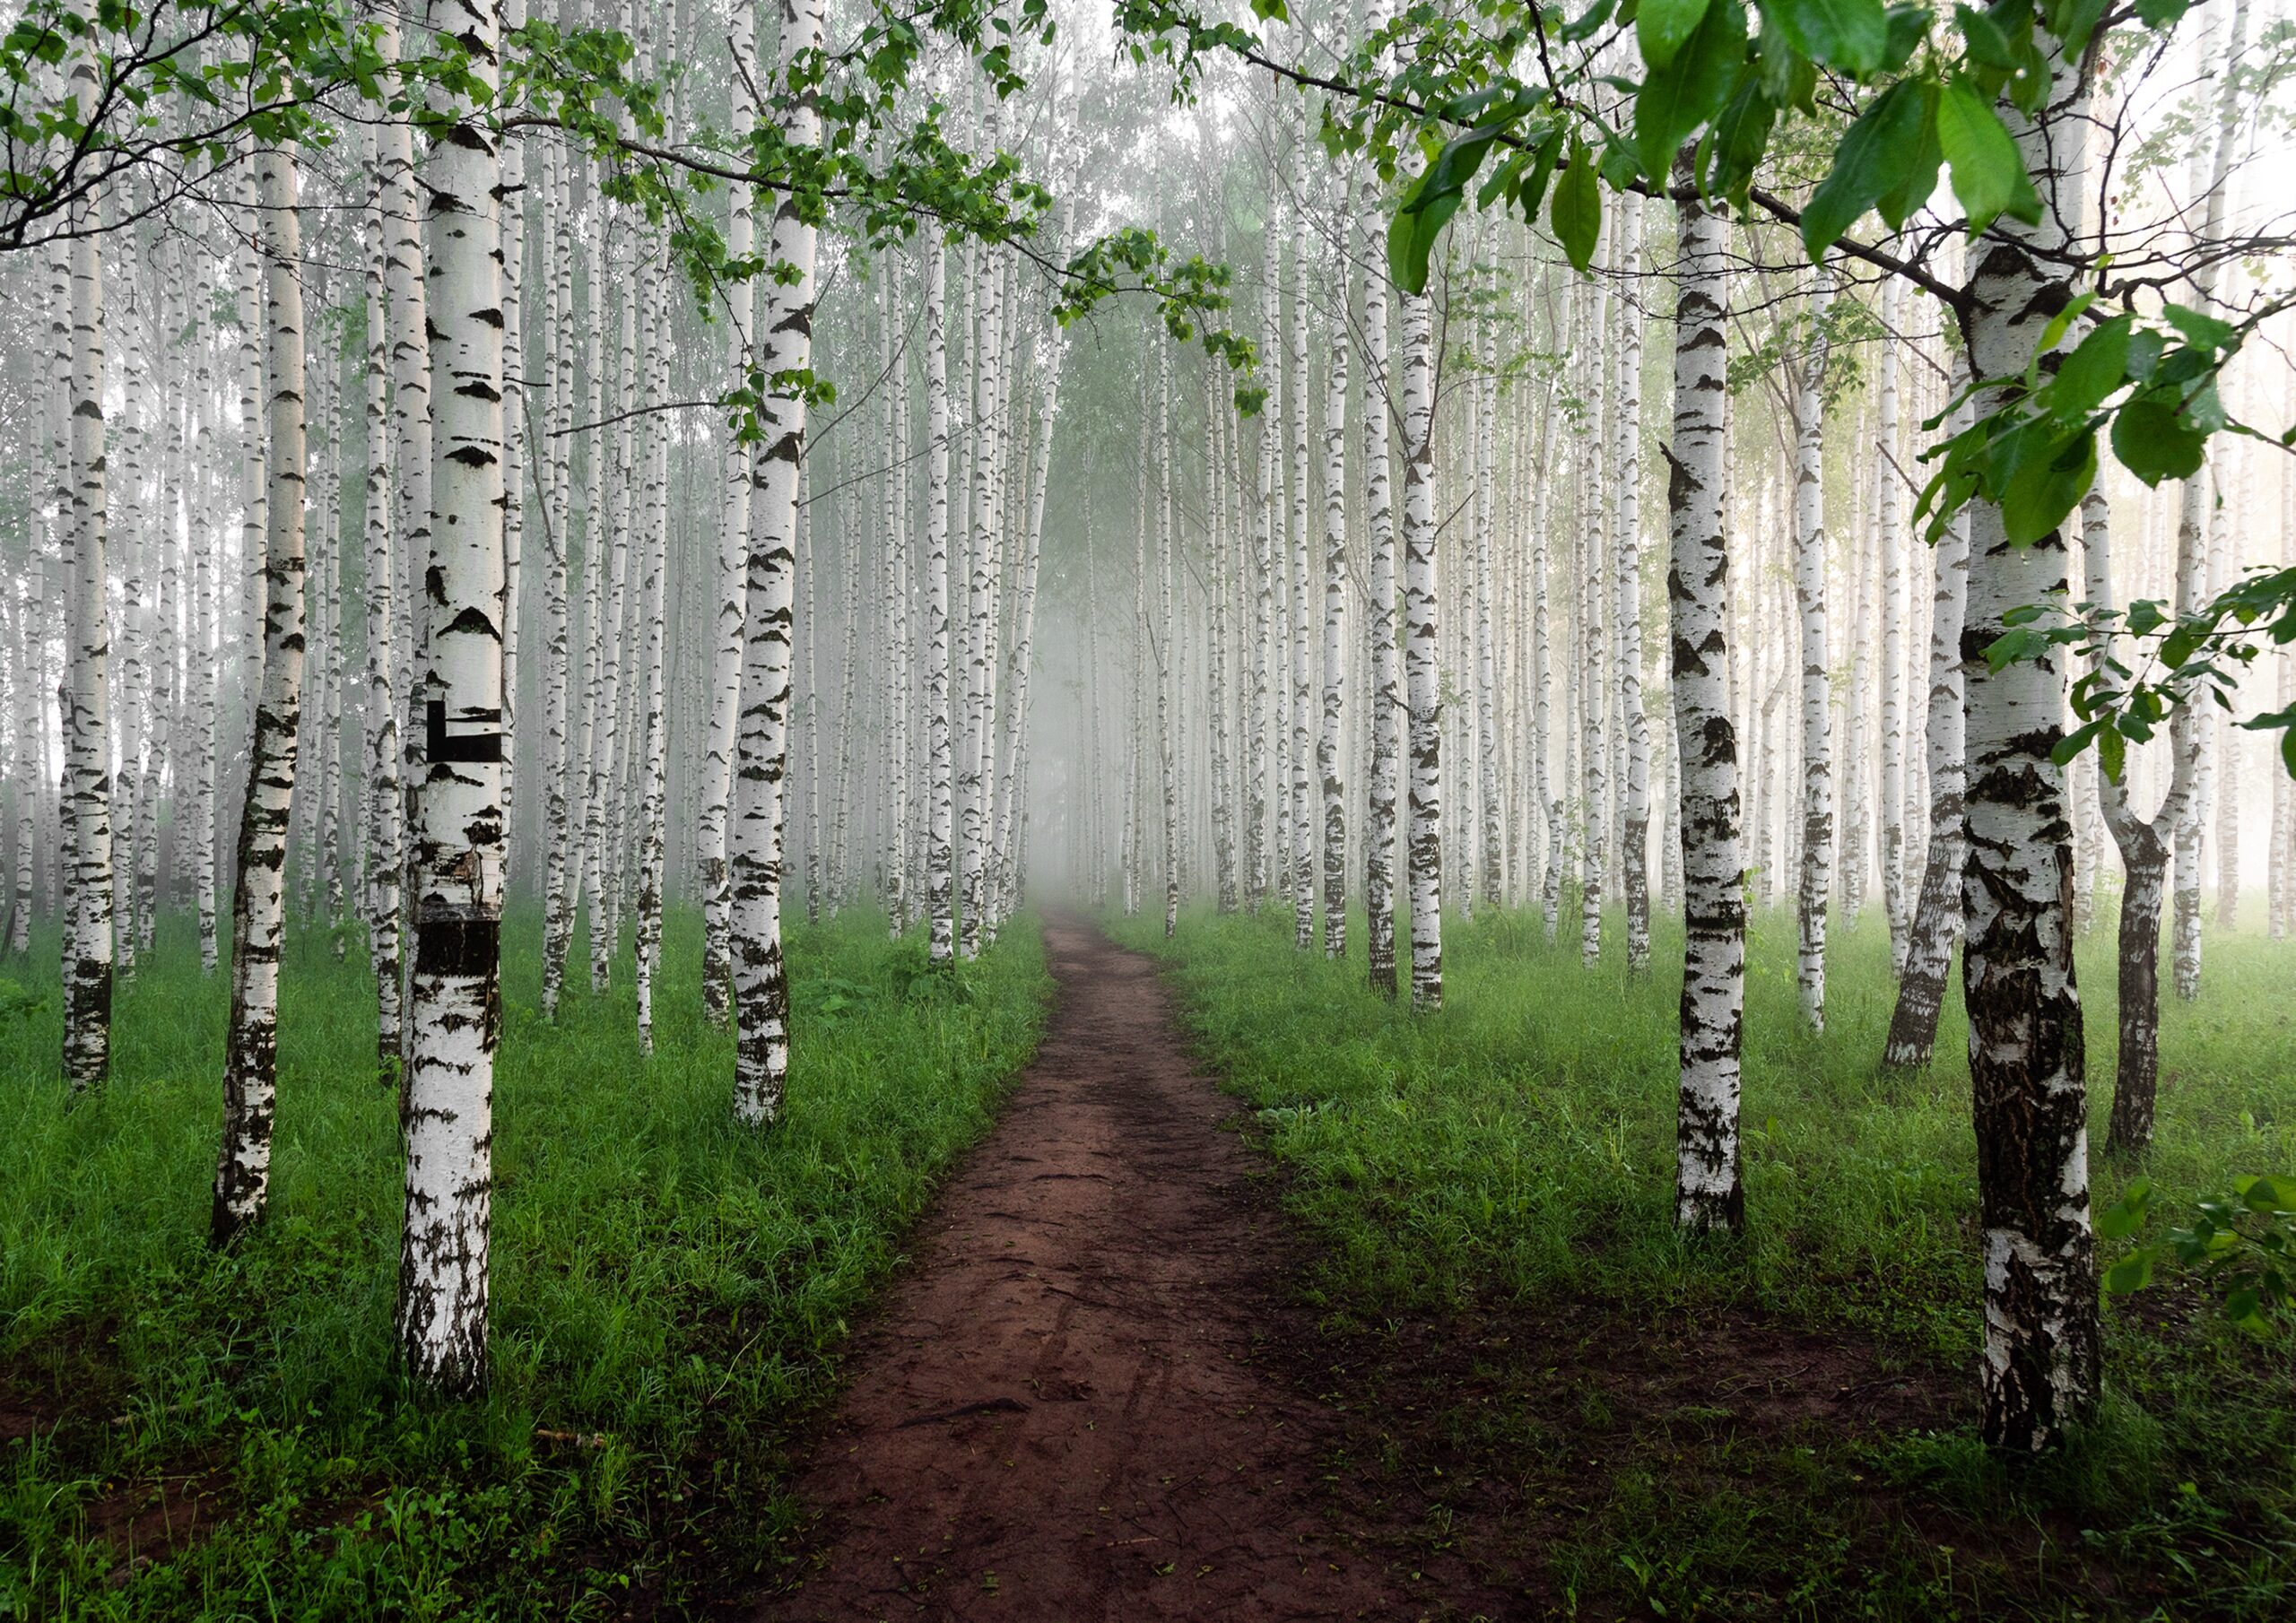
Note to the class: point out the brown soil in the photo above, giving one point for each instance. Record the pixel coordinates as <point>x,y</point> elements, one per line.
<point>1069,1409</point>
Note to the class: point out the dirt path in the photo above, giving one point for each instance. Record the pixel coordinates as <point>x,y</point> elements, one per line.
<point>1058,1415</point>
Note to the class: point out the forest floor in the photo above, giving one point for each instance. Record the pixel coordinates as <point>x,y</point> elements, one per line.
<point>188,1435</point>
<point>1532,1381</point>
<point>1249,1296</point>
<point>1076,1403</point>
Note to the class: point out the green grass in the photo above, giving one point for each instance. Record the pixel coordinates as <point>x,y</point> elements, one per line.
<point>1513,1155</point>
<point>668,1285</point>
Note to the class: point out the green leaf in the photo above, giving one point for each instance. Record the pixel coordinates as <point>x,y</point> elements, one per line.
<point>1740,135</point>
<point>2162,14</point>
<point>2267,1193</point>
<point>1410,239</point>
<point>2042,493</point>
<point>1909,27</point>
<point>2061,324</point>
<point>2125,1215</point>
<point>2097,366</point>
<point>1871,160</point>
<point>2180,645</point>
<point>2132,1272</point>
<point>1662,27</point>
<point>2072,21</point>
<point>1690,88</point>
<point>1618,167</point>
<point>1430,203</point>
<point>2145,348</point>
<point>1532,191</point>
<point>1576,215</point>
<point>1989,177</point>
<point>2011,646</point>
<point>1919,183</point>
<point>2205,330</point>
<point>2112,750</point>
<point>2153,443</point>
<point>1587,23</point>
<point>1851,35</point>
<point>2065,749</point>
<point>1986,41</point>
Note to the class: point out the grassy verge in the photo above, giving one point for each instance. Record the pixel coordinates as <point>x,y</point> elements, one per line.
<point>1777,1426</point>
<point>196,1436</point>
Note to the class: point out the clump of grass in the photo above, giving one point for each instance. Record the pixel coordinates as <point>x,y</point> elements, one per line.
<point>1516,1150</point>
<point>670,1290</point>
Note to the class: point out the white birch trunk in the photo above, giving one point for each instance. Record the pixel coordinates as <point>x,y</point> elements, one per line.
<point>87,730</point>
<point>1299,626</point>
<point>408,301</point>
<point>1937,914</point>
<point>1334,645</point>
<point>1707,1193</point>
<point>2191,727</point>
<point>784,342</point>
<point>1422,680</point>
<point>259,895</point>
<point>1266,523</point>
<point>386,853</point>
<point>1491,872</point>
<point>940,863</point>
<point>2039,1366</point>
<point>1634,857</point>
<point>725,667</point>
<point>562,861</point>
<point>1815,888</point>
<point>1168,646</point>
<point>1594,750</point>
<point>1887,539</point>
<point>454,1005</point>
<point>1387,697</point>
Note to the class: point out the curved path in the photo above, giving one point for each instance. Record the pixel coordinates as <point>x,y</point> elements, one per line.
<point>1057,1413</point>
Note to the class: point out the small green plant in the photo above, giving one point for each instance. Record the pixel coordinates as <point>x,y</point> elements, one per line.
<point>2243,1243</point>
<point>18,1003</point>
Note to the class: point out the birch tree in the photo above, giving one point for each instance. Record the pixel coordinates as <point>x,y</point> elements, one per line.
<point>1707,1194</point>
<point>785,350</point>
<point>1816,879</point>
<point>1422,656</point>
<point>2040,1365</point>
<point>87,716</point>
<point>259,893</point>
<point>939,791</point>
<point>1335,595</point>
<point>454,1003</point>
<point>1386,697</point>
<point>386,845</point>
<point>1634,859</point>
<point>1938,910</point>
